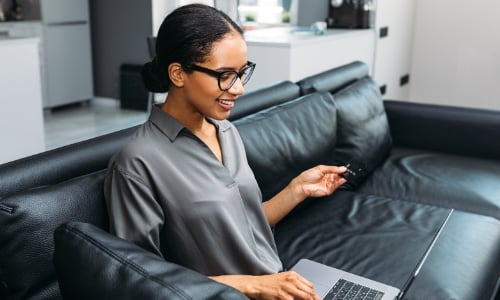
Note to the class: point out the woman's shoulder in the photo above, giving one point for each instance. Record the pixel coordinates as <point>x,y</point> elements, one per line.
<point>137,148</point>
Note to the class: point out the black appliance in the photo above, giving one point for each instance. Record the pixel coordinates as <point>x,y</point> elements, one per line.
<point>350,14</point>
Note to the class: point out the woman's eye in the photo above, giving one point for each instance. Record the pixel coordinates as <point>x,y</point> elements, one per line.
<point>226,76</point>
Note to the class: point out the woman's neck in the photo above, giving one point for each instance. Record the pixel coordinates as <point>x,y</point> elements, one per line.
<point>192,120</point>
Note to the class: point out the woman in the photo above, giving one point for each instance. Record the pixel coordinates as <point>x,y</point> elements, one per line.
<point>182,187</point>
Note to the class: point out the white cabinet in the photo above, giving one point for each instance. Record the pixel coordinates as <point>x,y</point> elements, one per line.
<point>21,114</point>
<point>283,55</point>
<point>65,49</point>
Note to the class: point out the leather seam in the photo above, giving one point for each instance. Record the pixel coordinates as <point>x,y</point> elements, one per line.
<point>7,209</point>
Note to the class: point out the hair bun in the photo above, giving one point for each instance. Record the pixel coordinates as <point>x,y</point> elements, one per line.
<point>154,77</point>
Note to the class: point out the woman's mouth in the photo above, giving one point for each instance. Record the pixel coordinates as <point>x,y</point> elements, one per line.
<point>226,104</point>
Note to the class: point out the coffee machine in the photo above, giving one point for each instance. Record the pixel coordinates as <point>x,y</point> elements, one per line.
<point>350,14</point>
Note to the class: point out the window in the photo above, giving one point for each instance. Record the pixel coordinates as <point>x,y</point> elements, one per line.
<point>263,12</point>
<point>185,2</point>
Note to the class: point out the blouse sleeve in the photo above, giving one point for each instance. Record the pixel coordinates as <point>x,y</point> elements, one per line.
<point>134,213</point>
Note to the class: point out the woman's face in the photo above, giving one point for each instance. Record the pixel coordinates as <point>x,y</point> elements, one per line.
<point>202,90</point>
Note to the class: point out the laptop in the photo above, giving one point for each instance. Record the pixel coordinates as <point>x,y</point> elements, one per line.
<point>331,283</point>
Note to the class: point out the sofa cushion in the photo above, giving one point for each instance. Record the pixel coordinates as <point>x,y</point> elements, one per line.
<point>93,264</point>
<point>28,220</point>
<point>285,140</point>
<point>445,180</point>
<point>363,135</point>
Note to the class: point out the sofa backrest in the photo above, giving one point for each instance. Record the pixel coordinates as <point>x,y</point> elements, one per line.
<point>334,79</point>
<point>263,98</point>
<point>60,164</point>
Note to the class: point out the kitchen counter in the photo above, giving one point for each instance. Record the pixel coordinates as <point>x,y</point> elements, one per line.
<point>285,53</point>
<point>291,36</point>
<point>5,39</point>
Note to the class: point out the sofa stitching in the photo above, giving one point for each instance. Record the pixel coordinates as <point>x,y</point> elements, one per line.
<point>133,265</point>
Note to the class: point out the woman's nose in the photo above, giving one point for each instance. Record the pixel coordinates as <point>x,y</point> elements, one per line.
<point>237,88</point>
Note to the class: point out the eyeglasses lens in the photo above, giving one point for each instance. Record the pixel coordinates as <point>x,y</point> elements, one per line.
<point>228,78</point>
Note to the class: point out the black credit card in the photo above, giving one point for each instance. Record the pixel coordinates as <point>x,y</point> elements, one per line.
<point>355,173</point>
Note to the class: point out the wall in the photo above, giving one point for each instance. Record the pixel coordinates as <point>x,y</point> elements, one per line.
<point>119,30</point>
<point>456,58</point>
<point>393,52</point>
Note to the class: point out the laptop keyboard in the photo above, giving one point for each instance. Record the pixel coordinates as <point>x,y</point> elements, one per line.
<point>347,290</point>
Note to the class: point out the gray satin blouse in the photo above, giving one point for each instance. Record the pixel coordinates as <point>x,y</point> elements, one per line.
<point>166,191</point>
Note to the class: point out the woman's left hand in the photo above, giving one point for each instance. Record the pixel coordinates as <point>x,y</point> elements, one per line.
<point>319,181</point>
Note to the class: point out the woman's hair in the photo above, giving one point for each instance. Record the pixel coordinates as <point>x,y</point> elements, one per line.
<point>186,36</point>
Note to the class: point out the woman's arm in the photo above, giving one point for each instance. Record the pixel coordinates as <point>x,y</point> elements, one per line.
<point>284,285</point>
<point>315,182</point>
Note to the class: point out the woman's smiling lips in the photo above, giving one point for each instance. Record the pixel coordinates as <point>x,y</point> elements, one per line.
<point>226,104</point>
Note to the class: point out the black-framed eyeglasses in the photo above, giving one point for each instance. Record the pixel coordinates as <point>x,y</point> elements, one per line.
<point>226,79</point>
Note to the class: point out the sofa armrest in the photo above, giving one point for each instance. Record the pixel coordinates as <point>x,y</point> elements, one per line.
<point>455,130</point>
<point>94,264</point>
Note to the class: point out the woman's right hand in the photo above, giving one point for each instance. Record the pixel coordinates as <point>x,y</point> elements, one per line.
<point>280,286</point>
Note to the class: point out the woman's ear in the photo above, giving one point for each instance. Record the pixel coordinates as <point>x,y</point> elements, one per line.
<point>176,74</point>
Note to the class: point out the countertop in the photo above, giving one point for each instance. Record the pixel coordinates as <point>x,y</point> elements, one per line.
<point>4,40</point>
<point>287,36</point>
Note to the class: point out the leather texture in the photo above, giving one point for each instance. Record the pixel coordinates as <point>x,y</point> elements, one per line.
<point>465,183</point>
<point>93,264</point>
<point>334,79</point>
<point>284,140</point>
<point>28,221</point>
<point>61,164</point>
<point>263,98</point>
<point>363,131</point>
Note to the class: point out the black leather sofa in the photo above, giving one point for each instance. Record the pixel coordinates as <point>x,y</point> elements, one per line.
<point>419,161</point>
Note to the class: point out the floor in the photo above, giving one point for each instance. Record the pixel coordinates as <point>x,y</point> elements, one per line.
<point>81,121</point>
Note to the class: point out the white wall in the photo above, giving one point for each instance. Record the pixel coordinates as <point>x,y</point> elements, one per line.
<point>393,53</point>
<point>456,54</point>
